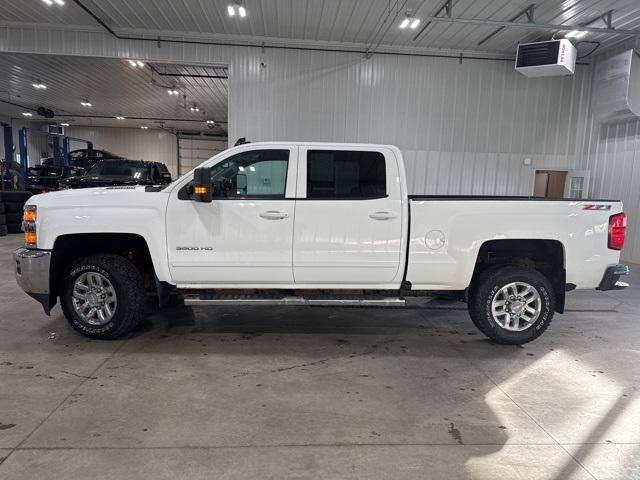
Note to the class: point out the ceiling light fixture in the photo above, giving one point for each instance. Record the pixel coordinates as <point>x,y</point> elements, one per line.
<point>139,63</point>
<point>27,114</point>
<point>144,127</point>
<point>237,8</point>
<point>64,124</point>
<point>48,2</point>
<point>59,2</point>
<point>132,63</point>
<point>575,34</point>
<point>409,21</point>
<point>119,117</point>
<point>210,122</point>
<point>86,103</point>
<point>173,91</point>
<point>39,86</point>
<point>194,108</point>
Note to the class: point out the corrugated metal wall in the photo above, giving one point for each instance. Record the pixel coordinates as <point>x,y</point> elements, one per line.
<point>464,128</point>
<point>134,143</point>
<point>612,154</point>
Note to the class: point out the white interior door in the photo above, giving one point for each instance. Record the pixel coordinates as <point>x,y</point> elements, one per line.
<point>577,184</point>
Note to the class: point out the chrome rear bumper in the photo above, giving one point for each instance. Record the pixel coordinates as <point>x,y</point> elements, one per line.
<point>32,273</point>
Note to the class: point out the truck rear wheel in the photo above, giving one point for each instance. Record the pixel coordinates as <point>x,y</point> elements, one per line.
<point>511,305</point>
<point>103,296</point>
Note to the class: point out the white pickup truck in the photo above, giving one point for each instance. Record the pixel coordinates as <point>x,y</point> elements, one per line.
<point>313,224</point>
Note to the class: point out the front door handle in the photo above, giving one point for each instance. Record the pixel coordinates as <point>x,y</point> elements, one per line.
<point>382,215</point>
<point>274,215</point>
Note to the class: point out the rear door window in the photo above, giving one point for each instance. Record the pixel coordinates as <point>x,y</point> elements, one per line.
<point>345,174</point>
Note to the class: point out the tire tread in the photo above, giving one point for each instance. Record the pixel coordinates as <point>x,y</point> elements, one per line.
<point>130,280</point>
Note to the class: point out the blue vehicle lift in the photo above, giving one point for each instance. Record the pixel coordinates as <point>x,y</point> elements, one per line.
<point>61,156</point>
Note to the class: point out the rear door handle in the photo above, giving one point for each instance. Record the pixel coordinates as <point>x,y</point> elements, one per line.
<point>382,215</point>
<point>274,215</point>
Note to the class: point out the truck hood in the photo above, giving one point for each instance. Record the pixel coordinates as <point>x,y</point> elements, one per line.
<point>117,196</point>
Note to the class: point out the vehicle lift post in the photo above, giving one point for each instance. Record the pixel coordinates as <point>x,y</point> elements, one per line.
<point>65,151</point>
<point>24,163</point>
<point>57,160</point>
<point>8,151</point>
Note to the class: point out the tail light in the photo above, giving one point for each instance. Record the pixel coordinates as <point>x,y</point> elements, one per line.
<point>617,230</point>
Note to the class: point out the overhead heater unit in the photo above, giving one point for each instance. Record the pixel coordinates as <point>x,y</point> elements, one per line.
<point>546,59</point>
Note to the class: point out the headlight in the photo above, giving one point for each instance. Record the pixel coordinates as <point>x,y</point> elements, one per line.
<point>29,218</point>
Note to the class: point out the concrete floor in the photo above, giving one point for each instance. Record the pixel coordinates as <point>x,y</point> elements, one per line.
<point>320,393</point>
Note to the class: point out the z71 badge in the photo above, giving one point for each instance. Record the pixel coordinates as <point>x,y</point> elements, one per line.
<point>596,206</point>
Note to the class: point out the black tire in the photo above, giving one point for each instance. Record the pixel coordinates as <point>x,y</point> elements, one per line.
<point>489,283</point>
<point>3,230</point>
<point>129,289</point>
<point>14,227</point>
<point>18,196</point>
<point>14,207</point>
<point>14,217</point>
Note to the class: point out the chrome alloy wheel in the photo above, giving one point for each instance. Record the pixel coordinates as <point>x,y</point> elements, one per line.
<point>516,306</point>
<point>94,298</point>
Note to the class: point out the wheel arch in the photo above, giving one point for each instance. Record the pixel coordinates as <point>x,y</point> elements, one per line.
<point>544,255</point>
<point>70,247</point>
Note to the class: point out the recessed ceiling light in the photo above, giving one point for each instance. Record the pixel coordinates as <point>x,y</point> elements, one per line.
<point>231,10</point>
<point>194,108</point>
<point>173,91</point>
<point>39,86</point>
<point>119,117</point>
<point>414,23</point>
<point>576,34</point>
<point>48,2</point>
<point>59,2</point>
<point>405,23</point>
<point>144,127</point>
<point>27,114</point>
<point>210,122</point>
<point>86,103</point>
<point>64,124</point>
<point>242,11</point>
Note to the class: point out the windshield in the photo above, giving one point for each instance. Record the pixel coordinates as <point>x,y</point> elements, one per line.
<point>119,169</point>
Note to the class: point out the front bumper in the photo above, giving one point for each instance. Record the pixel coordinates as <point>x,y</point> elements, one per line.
<point>611,278</point>
<point>32,274</point>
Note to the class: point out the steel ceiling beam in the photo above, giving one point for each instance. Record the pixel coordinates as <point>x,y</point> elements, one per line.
<point>534,26</point>
<point>529,12</point>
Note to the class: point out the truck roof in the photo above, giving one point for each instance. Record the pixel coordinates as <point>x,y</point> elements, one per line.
<point>334,144</point>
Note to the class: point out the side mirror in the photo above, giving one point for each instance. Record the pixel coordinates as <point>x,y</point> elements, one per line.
<point>202,185</point>
<point>165,177</point>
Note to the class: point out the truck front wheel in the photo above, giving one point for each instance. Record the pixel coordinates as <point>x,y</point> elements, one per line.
<point>103,296</point>
<point>511,305</point>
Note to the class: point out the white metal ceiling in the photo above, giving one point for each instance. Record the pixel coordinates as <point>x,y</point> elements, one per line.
<point>323,21</point>
<point>114,88</point>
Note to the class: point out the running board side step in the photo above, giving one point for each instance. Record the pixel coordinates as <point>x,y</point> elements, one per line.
<point>218,300</point>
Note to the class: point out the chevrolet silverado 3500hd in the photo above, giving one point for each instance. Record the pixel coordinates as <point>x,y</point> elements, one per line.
<point>313,224</point>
